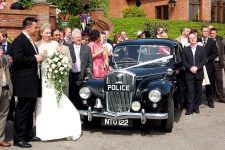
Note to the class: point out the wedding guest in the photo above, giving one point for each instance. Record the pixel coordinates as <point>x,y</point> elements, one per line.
<point>67,35</point>
<point>65,50</point>
<point>26,82</point>
<point>6,45</point>
<point>81,69</point>
<point>6,91</point>
<point>140,34</point>
<point>123,35</point>
<point>159,31</point>
<point>183,38</point>
<point>193,58</point>
<point>83,21</point>
<point>218,67</point>
<point>107,36</point>
<point>117,38</point>
<point>211,54</point>
<point>99,55</point>
<point>55,118</point>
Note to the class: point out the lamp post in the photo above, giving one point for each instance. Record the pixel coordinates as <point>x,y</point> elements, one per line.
<point>172,3</point>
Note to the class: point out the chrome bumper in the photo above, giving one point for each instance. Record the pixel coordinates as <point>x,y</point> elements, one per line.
<point>124,115</point>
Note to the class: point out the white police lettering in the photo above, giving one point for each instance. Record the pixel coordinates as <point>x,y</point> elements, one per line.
<point>118,87</point>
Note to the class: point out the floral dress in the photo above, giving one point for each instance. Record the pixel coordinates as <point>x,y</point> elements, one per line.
<point>99,62</point>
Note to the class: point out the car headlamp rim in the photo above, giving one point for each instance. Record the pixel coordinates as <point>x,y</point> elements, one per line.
<point>154,95</point>
<point>85,93</point>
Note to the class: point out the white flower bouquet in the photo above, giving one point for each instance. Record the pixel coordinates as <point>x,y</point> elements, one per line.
<point>57,72</point>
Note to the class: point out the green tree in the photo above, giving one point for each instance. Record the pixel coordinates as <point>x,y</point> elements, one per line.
<point>72,7</point>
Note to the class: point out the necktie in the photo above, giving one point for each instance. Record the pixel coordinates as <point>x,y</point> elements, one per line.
<point>204,42</point>
<point>4,48</point>
<point>38,64</point>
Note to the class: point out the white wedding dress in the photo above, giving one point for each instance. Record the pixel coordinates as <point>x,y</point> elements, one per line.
<point>53,122</point>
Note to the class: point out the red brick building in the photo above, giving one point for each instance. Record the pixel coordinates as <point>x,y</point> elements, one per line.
<point>11,19</point>
<point>199,10</point>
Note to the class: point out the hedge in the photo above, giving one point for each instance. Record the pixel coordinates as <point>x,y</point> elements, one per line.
<point>135,24</point>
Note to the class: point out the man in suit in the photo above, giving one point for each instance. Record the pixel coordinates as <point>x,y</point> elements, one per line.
<point>6,45</point>
<point>183,38</point>
<point>67,36</point>
<point>211,54</point>
<point>6,91</point>
<point>65,50</point>
<point>218,66</point>
<point>26,81</point>
<point>180,71</point>
<point>193,58</point>
<point>82,59</point>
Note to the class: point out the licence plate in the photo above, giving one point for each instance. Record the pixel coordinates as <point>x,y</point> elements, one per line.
<point>114,122</point>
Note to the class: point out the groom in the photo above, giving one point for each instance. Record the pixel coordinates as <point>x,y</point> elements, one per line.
<point>26,81</point>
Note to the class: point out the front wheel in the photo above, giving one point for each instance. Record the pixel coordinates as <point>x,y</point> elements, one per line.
<point>167,124</point>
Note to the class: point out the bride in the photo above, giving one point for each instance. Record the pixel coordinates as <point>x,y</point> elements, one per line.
<point>53,122</point>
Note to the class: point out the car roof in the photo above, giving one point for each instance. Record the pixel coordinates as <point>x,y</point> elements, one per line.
<point>156,41</point>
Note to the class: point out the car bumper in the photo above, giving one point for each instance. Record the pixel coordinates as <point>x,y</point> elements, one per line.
<point>123,115</point>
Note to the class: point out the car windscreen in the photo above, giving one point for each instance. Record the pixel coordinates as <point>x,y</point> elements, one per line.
<point>140,53</point>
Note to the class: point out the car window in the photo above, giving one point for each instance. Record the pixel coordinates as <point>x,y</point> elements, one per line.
<point>126,53</point>
<point>152,52</point>
<point>141,53</point>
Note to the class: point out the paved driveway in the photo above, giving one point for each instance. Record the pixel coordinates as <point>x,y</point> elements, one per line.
<point>204,131</point>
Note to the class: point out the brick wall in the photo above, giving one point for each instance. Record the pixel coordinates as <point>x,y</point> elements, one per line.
<point>179,12</point>
<point>12,19</point>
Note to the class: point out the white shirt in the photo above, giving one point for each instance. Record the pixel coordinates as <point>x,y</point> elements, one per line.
<point>109,47</point>
<point>183,41</point>
<point>77,53</point>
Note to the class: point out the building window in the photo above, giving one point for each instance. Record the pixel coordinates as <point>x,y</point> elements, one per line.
<point>162,12</point>
<point>218,11</point>
<point>194,10</point>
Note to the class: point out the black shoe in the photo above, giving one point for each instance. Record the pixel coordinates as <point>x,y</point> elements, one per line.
<point>197,110</point>
<point>22,144</point>
<point>188,113</point>
<point>33,139</point>
<point>210,104</point>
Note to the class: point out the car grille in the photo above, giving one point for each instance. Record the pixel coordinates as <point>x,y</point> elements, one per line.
<point>120,101</point>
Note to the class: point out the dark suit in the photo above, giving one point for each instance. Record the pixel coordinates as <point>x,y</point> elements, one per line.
<point>27,86</point>
<point>211,53</point>
<point>76,79</point>
<point>194,81</point>
<point>218,68</point>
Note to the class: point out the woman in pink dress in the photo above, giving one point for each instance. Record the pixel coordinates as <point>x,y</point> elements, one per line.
<point>99,55</point>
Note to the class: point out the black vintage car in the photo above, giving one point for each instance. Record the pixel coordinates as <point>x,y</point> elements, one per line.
<point>141,85</point>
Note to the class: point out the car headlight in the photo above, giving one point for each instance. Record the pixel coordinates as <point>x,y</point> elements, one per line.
<point>154,96</point>
<point>85,93</point>
<point>136,106</point>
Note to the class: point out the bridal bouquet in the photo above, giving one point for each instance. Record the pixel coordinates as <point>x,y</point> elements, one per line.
<point>57,72</point>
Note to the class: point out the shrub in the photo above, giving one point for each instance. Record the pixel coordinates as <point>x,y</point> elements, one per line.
<point>132,25</point>
<point>100,4</point>
<point>74,22</point>
<point>133,11</point>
